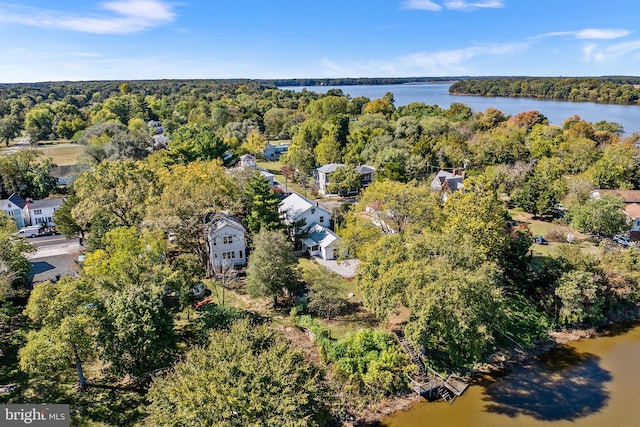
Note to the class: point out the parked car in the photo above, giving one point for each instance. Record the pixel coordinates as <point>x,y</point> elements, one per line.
<point>622,240</point>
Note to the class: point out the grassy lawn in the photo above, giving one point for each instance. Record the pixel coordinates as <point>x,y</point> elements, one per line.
<point>355,317</point>
<point>274,168</point>
<point>62,152</point>
<point>543,228</point>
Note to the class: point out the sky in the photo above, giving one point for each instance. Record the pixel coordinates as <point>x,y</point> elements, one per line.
<point>44,40</point>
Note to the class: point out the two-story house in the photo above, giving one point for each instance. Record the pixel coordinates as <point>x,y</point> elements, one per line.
<point>17,209</point>
<point>41,211</point>
<point>301,212</point>
<point>247,161</point>
<point>322,175</point>
<point>311,226</point>
<point>225,240</point>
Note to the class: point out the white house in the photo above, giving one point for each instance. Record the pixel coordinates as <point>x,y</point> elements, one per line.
<point>322,175</point>
<point>16,208</point>
<point>274,152</point>
<point>225,240</point>
<point>297,209</point>
<point>268,176</point>
<point>248,161</point>
<point>322,242</point>
<point>42,210</point>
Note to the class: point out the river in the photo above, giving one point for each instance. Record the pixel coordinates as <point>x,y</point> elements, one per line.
<point>592,382</point>
<point>438,94</point>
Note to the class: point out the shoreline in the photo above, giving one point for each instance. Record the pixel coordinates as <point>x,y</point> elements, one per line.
<point>498,363</point>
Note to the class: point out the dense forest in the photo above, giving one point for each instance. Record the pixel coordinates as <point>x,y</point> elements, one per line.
<point>461,264</point>
<point>612,90</point>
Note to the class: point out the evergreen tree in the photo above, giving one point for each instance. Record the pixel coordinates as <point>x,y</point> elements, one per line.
<point>263,209</point>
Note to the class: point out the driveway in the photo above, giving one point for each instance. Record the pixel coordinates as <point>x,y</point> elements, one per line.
<point>346,268</point>
<point>55,257</point>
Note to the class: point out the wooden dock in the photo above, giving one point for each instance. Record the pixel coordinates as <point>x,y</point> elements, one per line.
<point>427,382</point>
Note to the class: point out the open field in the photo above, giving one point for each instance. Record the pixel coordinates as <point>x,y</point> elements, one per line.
<point>63,153</point>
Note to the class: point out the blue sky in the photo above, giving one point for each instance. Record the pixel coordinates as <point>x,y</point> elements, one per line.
<point>43,40</point>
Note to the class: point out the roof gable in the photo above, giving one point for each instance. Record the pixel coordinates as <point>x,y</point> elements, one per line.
<point>295,205</point>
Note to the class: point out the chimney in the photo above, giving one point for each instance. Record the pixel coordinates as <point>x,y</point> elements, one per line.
<point>455,171</point>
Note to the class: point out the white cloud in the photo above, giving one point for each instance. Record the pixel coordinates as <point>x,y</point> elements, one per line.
<point>451,4</point>
<point>593,53</point>
<point>421,4</point>
<point>118,17</point>
<point>454,61</point>
<point>589,34</point>
<point>601,33</point>
<point>445,62</point>
<point>465,5</point>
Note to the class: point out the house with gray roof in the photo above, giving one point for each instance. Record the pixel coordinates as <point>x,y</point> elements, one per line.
<point>41,211</point>
<point>321,242</point>
<point>225,240</point>
<point>448,182</point>
<point>296,209</point>
<point>322,175</point>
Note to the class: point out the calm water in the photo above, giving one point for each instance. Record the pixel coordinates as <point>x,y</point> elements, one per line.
<point>593,382</point>
<point>438,94</point>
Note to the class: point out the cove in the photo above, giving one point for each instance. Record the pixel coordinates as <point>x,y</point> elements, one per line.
<point>438,94</point>
<point>592,382</point>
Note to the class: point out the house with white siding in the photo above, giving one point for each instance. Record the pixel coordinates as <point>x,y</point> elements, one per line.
<point>225,240</point>
<point>41,211</point>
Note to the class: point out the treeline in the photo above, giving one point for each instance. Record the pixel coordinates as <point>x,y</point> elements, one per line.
<point>348,81</point>
<point>612,90</point>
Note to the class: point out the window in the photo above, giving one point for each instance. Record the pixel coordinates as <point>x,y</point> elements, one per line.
<point>215,256</point>
<point>10,213</point>
<point>321,219</point>
<point>227,240</point>
<point>240,254</point>
<point>37,211</point>
<point>228,255</point>
<point>214,241</point>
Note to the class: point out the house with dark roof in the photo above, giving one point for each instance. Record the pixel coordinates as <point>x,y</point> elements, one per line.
<point>17,209</point>
<point>225,240</point>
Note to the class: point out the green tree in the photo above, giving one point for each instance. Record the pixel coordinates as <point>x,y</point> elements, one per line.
<point>344,180</point>
<point>118,191</point>
<point>39,123</point>
<point>603,216</point>
<point>212,385</point>
<point>23,172</point>
<point>272,266</point>
<point>64,314</point>
<point>580,296</point>
<point>263,205</point>
<point>136,331</point>
<point>9,128</point>
<point>196,142</point>
<point>12,253</point>
<point>189,193</point>
<point>324,298</point>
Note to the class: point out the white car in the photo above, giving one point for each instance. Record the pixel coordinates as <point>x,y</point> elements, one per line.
<point>622,240</point>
